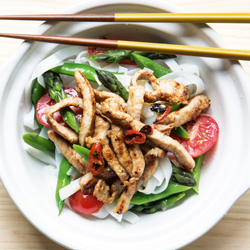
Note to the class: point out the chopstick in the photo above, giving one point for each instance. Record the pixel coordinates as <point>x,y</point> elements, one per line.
<point>139,46</point>
<point>139,17</point>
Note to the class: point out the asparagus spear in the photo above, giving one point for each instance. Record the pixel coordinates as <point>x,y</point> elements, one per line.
<point>111,82</point>
<point>54,87</point>
<point>120,55</point>
<point>182,177</point>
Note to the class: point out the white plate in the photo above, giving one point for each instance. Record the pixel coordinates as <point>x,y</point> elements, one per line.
<point>226,84</point>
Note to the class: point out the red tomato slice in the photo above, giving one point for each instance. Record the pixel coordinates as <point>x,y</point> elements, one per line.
<point>85,203</point>
<point>46,101</point>
<point>203,132</point>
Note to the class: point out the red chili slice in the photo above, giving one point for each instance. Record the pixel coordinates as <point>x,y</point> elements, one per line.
<point>147,130</point>
<point>134,137</point>
<point>96,161</point>
<point>161,117</point>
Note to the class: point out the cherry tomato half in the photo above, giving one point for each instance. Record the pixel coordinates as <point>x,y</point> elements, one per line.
<point>85,203</point>
<point>46,101</point>
<point>203,132</point>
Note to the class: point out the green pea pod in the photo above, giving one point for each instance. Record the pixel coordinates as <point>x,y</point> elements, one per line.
<point>70,68</point>
<point>82,151</point>
<point>140,198</point>
<point>37,92</point>
<point>174,106</point>
<point>144,62</point>
<point>40,143</point>
<point>153,207</point>
<point>197,172</point>
<point>180,131</point>
<point>62,180</point>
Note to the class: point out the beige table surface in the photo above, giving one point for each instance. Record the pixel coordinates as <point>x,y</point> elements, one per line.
<point>232,232</point>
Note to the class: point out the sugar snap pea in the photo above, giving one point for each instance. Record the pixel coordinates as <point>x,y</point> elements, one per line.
<point>40,143</point>
<point>140,198</point>
<point>152,207</point>
<point>82,151</point>
<point>37,92</point>
<point>117,56</point>
<point>144,62</point>
<point>62,180</point>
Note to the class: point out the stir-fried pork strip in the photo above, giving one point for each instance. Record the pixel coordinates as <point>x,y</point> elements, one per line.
<point>134,107</point>
<point>124,200</point>
<point>165,129</point>
<point>88,118</point>
<point>88,181</point>
<point>100,133</point>
<point>101,95</point>
<point>112,161</point>
<point>72,156</point>
<point>154,153</point>
<point>158,138</point>
<point>164,90</point>
<point>195,107</point>
<point>135,101</point>
<point>100,136</point>
<point>104,193</point>
<point>122,153</point>
<point>137,159</point>
<point>65,132</point>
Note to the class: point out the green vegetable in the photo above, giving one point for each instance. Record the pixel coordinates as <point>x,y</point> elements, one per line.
<point>54,87</point>
<point>144,62</point>
<point>174,106</point>
<point>182,177</point>
<point>140,198</point>
<point>120,55</point>
<point>37,92</point>
<point>152,207</point>
<point>62,180</point>
<point>111,82</point>
<point>82,151</point>
<point>197,172</point>
<point>70,68</point>
<point>180,131</point>
<point>40,143</point>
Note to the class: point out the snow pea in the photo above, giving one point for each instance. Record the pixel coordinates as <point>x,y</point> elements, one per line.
<point>152,207</point>
<point>70,68</point>
<point>144,62</point>
<point>197,172</point>
<point>180,131</point>
<point>40,143</point>
<point>37,92</point>
<point>62,180</point>
<point>140,198</point>
<point>82,151</point>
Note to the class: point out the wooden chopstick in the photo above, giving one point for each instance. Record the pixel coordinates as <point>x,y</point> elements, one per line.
<point>139,17</point>
<point>139,46</point>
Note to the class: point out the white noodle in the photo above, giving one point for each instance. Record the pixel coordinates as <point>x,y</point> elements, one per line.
<point>70,189</point>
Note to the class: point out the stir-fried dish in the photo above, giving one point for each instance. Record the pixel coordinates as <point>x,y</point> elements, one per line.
<point>107,140</point>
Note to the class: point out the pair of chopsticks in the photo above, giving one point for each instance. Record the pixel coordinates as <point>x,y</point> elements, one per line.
<point>141,46</point>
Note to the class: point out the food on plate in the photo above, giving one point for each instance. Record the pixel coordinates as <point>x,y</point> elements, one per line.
<point>125,139</point>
